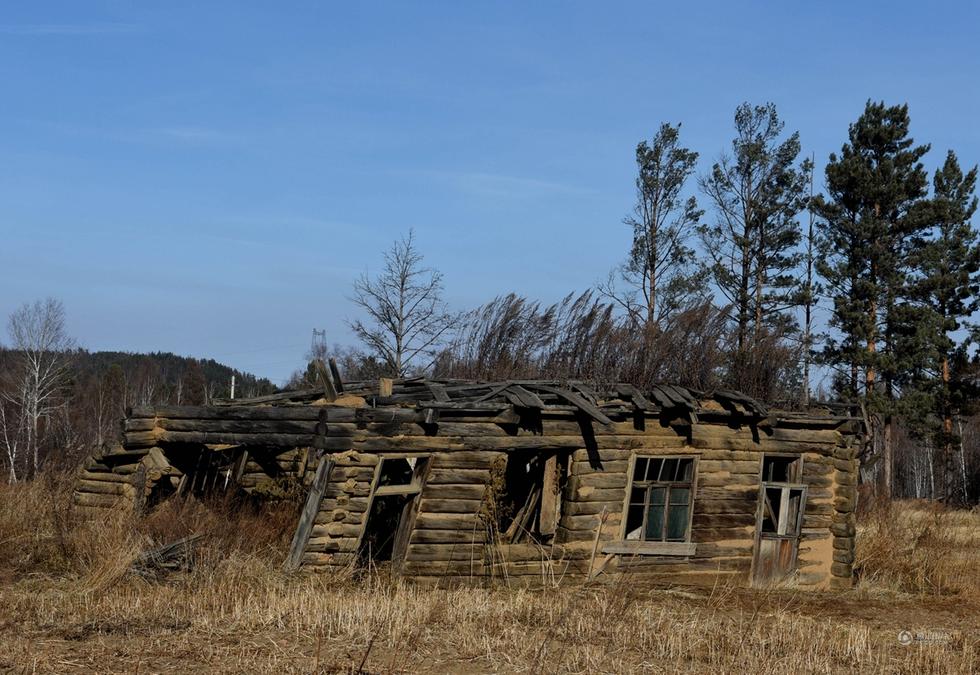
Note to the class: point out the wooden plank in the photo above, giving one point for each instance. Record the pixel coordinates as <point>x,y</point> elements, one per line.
<point>577,401</point>
<point>548,519</point>
<point>335,372</point>
<point>310,509</point>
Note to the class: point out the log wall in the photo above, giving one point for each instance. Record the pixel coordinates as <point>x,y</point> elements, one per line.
<point>449,538</point>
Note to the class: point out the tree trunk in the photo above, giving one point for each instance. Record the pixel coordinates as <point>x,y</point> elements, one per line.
<point>948,464</point>
<point>889,455</point>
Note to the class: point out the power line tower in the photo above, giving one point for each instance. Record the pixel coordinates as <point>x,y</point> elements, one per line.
<point>318,344</point>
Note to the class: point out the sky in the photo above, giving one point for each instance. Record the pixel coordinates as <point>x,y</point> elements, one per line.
<point>209,178</point>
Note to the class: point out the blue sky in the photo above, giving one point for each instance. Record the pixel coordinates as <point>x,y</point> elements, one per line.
<point>208,178</point>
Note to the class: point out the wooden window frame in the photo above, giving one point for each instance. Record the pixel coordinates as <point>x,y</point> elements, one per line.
<point>414,489</point>
<point>786,488</point>
<point>411,488</point>
<point>656,547</point>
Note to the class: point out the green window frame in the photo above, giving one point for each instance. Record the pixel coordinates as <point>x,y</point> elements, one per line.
<point>660,499</point>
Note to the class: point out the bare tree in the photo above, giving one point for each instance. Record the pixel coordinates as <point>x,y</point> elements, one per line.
<point>660,276</point>
<point>35,380</point>
<point>407,318</point>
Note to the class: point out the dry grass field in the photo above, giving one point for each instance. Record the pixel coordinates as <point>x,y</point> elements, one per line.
<point>71,604</point>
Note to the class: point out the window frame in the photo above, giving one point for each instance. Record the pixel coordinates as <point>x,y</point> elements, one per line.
<point>795,484</point>
<point>413,489</point>
<point>656,546</point>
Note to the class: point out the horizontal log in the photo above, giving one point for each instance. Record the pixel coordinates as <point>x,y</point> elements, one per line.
<point>126,469</point>
<point>445,491</point>
<point>105,487</point>
<point>724,493</point>
<point>427,505</point>
<point>445,552</point>
<point>464,460</point>
<point>572,508</point>
<point>336,529</point>
<point>713,520</point>
<point>223,438</point>
<point>611,496</point>
<point>130,425</point>
<point>583,468</point>
<point>726,506</point>
<point>442,476</point>
<point>731,466</point>
<point>589,523</point>
<point>704,533</point>
<point>107,476</point>
<point>597,480</point>
<point>444,568</point>
<point>297,412</point>
<point>138,439</point>
<point>240,426</point>
<point>725,479</point>
<point>463,522</point>
<point>331,545</point>
<point>428,536</point>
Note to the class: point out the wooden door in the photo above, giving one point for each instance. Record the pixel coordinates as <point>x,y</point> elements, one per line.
<point>777,534</point>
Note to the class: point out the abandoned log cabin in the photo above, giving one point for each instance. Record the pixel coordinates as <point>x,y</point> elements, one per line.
<point>526,481</point>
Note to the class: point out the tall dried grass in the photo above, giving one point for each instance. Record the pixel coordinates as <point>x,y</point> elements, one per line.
<point>920,548</point>
<point>70,607</point>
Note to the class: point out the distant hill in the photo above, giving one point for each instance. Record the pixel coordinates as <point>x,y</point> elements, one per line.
<point>163,377</point>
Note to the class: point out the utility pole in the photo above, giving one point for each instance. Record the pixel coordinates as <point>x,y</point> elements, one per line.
<point>809,300</point>
<point>318,344</point>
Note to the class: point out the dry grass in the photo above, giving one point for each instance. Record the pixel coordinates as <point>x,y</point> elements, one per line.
<point>70,605</point>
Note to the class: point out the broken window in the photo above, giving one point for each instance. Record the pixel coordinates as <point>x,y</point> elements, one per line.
<point>392,510</point>
<point>782,495</point>
<point>781,469</point>
<point>660,499</point>
<point>526,497</point>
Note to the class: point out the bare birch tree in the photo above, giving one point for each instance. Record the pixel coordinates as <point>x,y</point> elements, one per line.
<point>407,319</point>
<point>35,380</point>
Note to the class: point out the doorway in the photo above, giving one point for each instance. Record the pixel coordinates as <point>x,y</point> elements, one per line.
<point>779,519</point>
<point>391,513</point>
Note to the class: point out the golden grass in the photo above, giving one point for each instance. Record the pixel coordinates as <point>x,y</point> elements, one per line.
<point>70,605</point>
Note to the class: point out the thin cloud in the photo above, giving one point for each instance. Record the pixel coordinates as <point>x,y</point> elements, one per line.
<point>43,29</point>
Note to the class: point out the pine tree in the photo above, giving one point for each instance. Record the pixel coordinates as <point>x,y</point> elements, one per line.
<point>947,292</point>
<point>868,227</point>
<point>758,192</point>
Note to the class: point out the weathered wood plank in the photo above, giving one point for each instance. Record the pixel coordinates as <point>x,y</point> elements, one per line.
<point>310,510</point>
<point>447,491</point>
